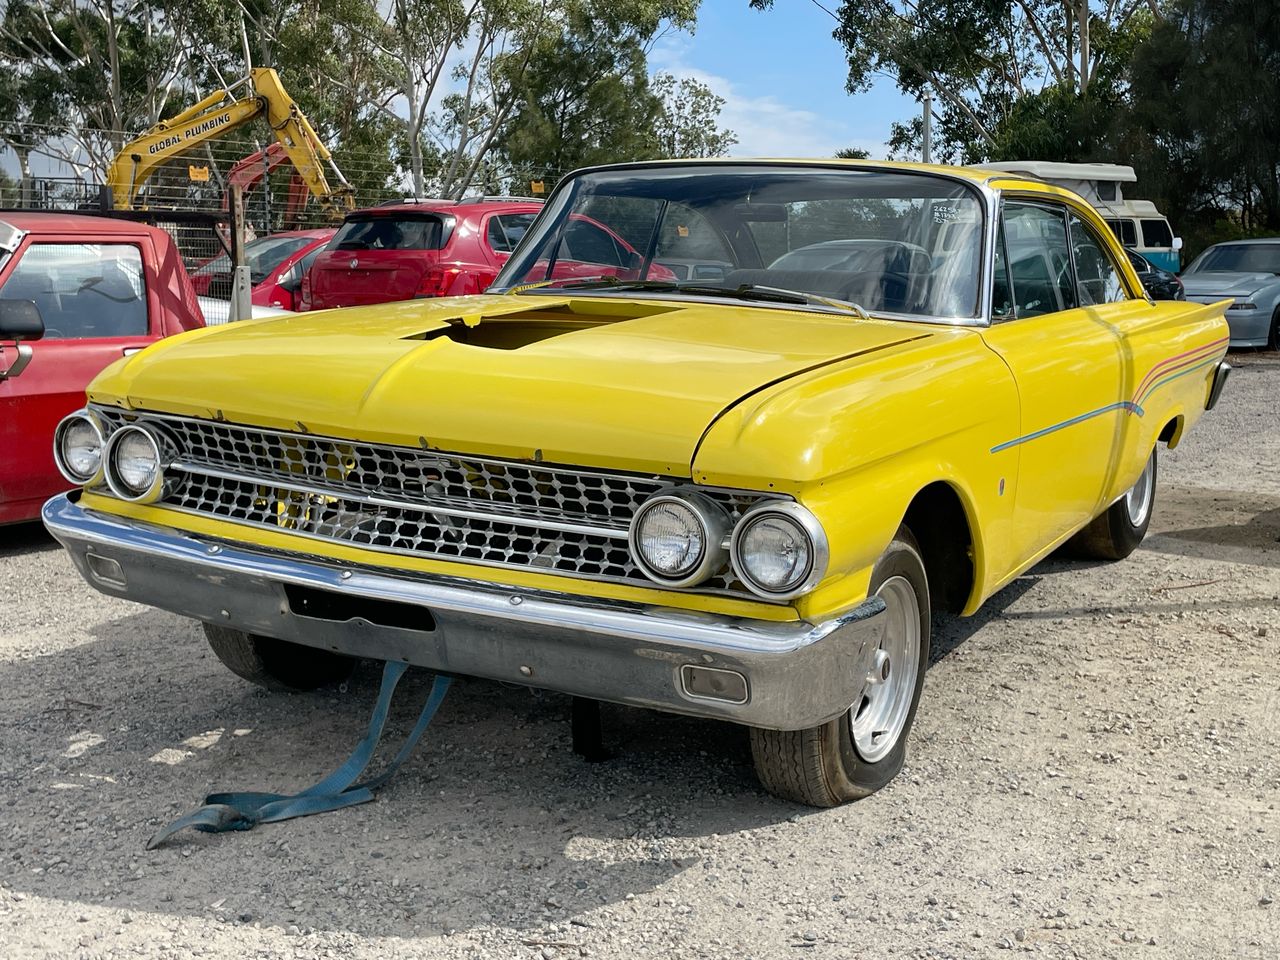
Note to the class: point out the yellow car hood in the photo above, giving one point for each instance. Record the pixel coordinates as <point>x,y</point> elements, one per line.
<point>623,384</point>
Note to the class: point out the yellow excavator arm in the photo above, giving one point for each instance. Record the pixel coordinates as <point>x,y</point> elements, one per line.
<point>219,114</point>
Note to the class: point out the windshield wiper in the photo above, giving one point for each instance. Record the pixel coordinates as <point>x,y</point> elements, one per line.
<point>745,291</point>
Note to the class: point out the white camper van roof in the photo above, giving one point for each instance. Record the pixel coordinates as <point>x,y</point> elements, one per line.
<point>1048,170</point>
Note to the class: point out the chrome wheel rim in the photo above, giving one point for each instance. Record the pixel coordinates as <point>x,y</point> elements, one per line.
<point>878,719</point>
<point>1137,502</point>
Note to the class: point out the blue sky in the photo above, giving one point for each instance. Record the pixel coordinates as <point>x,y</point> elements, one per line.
<point>782,76</point>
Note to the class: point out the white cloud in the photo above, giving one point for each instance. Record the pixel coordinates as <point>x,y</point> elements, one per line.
<point>765,126</point>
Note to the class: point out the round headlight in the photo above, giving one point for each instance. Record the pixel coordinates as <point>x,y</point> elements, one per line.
<point>133,467</point>
<point>77,448</point>
<point>677,539</point>
<point>779,550</point>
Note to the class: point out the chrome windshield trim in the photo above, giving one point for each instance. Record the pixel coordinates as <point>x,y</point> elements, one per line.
<point>425,506</point>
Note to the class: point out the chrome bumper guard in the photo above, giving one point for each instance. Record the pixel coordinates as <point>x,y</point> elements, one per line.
<point>783,676</point>
<point>1219,381</point>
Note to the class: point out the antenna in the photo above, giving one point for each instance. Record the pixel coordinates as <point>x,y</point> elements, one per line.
<point>244,41</point>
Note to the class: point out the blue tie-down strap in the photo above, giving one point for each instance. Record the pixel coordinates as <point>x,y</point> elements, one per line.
<point>244,811</point>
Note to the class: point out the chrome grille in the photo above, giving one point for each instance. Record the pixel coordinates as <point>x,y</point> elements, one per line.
<point>421,502</point>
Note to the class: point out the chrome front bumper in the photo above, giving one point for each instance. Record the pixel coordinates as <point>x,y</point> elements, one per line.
<point>784,676</point>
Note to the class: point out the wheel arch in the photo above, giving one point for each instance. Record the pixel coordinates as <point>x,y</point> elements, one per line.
<point>1171,432</point>
<point>941,520</point>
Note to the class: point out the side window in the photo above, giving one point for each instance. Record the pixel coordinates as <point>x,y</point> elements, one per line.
<point>84,290</point>
<point>1156,233</point>
<point>305,263</point>
<point>506,229</point>
<point>1124,230</point>
<point>588,243</point>
<point>1039,258</point>
<point>1097,279</point>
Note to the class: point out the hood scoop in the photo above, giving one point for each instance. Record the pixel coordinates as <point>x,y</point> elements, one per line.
<point>522,328</point>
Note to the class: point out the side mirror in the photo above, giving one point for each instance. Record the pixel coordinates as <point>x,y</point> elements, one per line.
<point>1177,243</point>
<point>292,281</point>
<point>20,320</point>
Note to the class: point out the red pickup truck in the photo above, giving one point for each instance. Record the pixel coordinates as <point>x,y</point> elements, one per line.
<point>76,293</point>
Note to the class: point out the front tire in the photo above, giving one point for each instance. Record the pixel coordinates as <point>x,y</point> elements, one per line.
<point>860,751</point>
<point>1273,337</point>
<point>1116,532</point>
<point>276,665</point>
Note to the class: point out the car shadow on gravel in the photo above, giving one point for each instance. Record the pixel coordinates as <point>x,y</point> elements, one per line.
<point>493,821</point>
<point>19,539</point>
<point>1245,537</point>
<point>950,631</point>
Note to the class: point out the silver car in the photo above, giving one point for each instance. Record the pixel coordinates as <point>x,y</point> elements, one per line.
<point>1248,273</point>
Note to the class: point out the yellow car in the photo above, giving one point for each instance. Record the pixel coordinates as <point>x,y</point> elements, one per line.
<point>739,496</point>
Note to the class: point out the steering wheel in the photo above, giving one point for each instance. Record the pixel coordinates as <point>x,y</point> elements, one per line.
<point>90,284</point>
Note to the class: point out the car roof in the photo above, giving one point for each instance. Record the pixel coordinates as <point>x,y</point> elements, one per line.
<point>976,175</point>
<point>33,221</point>
<point>1238,243</point>
<point>466,206</point>
<point>318,233</point>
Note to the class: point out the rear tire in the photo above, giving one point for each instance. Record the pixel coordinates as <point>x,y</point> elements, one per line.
<point>1116,532</point>
<point>860,751</point>
<point>276,665</point>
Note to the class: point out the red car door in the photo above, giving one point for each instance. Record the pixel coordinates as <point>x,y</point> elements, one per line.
<point>97,306</point>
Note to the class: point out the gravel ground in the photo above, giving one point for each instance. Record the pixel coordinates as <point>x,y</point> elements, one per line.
<point>1093,774</point>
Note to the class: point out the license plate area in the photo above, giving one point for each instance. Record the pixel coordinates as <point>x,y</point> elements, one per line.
<point>343,607</point>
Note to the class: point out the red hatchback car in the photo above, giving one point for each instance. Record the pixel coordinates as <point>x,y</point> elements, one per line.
<point>432,248</point>
<point>76,293</point>
<point>276,264</point>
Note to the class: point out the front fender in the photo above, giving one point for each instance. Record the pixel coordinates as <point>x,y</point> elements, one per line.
<point>857,441</point>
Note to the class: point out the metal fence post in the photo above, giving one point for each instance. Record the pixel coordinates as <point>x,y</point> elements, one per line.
<point>241,305</point>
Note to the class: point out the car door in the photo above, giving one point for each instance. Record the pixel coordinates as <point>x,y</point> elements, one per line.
<point>1057,330</point>
<point>96,307</point>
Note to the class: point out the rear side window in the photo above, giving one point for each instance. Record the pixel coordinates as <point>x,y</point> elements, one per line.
<point>84,290</point>
<point>1097,279</point>
<point>1125,231</point>
<point>390,233</point>
<point>1156,233</point>
<point>506,229</point>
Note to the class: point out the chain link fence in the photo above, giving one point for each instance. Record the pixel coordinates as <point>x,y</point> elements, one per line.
<point>43,168</point>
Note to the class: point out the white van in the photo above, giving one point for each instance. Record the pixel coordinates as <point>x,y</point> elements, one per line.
<point>1138,224</point>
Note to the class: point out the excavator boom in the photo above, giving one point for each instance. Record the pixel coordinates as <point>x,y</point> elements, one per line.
<point>217,115</point>
<point>253,169</point>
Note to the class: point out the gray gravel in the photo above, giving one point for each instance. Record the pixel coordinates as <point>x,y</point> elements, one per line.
<point>1093,774</point>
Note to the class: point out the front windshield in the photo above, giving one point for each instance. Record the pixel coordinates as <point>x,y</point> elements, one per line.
<point>261,256</point>
<point>1239,258</point>
<point>891,242</point>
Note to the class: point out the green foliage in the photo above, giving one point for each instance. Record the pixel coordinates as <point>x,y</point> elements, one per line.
<point>585,96</point>
<point>688,122</point>
<point>1205,115</point>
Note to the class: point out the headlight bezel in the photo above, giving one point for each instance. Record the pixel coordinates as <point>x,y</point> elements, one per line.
<point>804,521</point>
<point>714,522</point>
<point>60,460</point>
<point>163,456</point>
